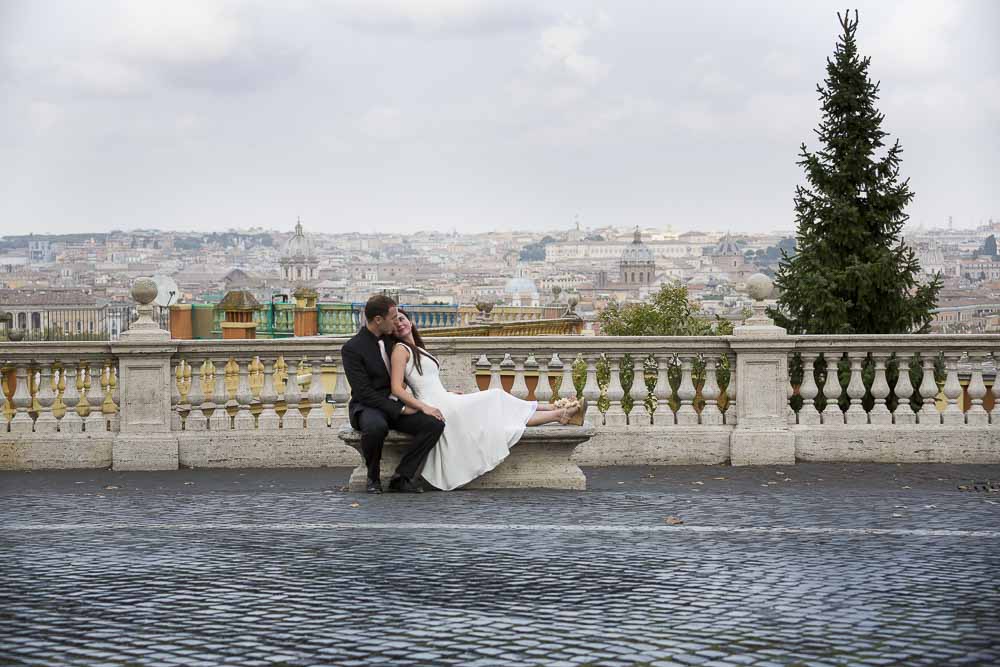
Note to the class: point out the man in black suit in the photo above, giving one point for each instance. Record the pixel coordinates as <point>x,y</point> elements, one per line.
<point>372,410</point>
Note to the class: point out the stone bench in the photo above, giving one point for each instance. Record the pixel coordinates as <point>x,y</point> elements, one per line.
<point>542,458</point>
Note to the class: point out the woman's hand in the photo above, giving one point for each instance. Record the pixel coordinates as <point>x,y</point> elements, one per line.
<point>432,411</point>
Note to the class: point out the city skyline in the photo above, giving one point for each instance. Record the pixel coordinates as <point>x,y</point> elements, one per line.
<point>476,116</point>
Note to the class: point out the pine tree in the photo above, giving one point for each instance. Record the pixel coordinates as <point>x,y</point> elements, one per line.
<point>852,273</point>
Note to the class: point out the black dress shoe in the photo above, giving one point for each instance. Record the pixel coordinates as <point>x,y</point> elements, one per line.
<point>403,485</point>
<point>373,486</point>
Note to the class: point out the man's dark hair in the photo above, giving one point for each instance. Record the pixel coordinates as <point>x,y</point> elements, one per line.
<point>378,305</point>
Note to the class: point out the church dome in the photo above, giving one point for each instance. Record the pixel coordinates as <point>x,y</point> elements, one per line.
<point>521,286</point>
<point>298,247</point>
<point>637,252</point>
<point>727,246</point>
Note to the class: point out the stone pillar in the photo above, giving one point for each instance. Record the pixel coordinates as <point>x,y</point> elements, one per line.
<point>306,316</point>
<point>180,321</point>
<point>144,440</point>
<point>762,435</point>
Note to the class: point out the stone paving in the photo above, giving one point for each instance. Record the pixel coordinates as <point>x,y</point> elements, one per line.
<point>803,565</point>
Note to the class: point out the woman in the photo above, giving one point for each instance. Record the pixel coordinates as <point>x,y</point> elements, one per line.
<point>479,428</point>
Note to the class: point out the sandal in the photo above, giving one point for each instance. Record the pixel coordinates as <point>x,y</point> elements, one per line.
<point>577,418</point>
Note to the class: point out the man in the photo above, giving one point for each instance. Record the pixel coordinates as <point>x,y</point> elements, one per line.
<point>373,412</point>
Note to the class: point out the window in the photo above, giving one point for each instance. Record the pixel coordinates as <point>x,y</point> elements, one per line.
<point>36,320</point>
<point>22,320</point>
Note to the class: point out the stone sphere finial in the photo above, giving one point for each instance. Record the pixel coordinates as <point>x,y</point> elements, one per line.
<point>144,291</point>
<point>759,286</point>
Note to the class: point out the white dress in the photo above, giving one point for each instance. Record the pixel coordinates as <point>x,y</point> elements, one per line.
<point>479,428</point>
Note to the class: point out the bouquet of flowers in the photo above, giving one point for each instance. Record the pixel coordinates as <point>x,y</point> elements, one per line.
<point>567,402</point>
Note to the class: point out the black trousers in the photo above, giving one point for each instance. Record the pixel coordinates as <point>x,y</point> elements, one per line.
<point>374,426</point>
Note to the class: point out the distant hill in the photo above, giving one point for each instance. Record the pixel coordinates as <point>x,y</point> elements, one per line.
<point>12,242</point>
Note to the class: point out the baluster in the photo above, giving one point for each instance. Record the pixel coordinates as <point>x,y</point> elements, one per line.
<point>196,420</point>
<point>808,415</point>
<point>732,415</point>
<point>710,414</point>
<point>903,414</point>
<point>482,370</point>
<point>22,421</point>
<point>591,389</point>
<point>95,421</point>
<point>977,415</point>
<point>45,422</point>
<point>519,388</point>
<point>664,414</point>
<point>508,369</point>
<point>531,366</point>
<point>615,416</point>
<point>7,409</point>
<point>832,414</point>
<point>316,419</point>
<point>219,420</point>
<point>244,420</point>
<point>929,414</point>
<point>856,391</point>
<point>293,419</point>
<point>59,387</point>
<point>567,386</point>
<point>952,390</point>
<point>686,414</point>
<point>176,421</point>
<point>543,390</point>
<point>639,416</point>
<point>791,416</point>
<point>995,413</point>
<point>113,399</point>
<point>71,422</point>
<point>341,395</point>
<point>880,390</point>
<point>268,419</point>
<point>496,381</point>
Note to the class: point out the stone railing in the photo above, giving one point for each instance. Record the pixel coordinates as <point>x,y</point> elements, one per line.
<point>759,396</point>
<point>563,326</point>
<point>277,320</point>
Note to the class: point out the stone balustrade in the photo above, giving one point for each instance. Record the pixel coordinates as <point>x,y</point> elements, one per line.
<point>151,402</point>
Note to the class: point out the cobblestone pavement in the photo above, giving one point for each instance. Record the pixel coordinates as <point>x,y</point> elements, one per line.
<point>803,565</point>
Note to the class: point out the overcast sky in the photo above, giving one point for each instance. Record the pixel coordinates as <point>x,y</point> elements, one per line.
<point>397,115</point>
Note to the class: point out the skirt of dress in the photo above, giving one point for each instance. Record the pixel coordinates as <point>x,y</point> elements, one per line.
<point>479,431</point>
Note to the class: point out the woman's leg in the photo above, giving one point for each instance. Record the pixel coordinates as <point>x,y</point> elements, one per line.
<point>546,407</point>
<point>548,416</point>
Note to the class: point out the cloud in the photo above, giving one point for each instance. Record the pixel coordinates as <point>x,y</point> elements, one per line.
<point>383,123</point>
<point>561,50</point>
<point>45,115</point>
<point>918,40</point>
<point>436,17</point>
<point>133,48</point>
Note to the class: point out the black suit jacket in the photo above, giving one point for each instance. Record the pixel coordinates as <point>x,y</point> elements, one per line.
<point>365,369</point>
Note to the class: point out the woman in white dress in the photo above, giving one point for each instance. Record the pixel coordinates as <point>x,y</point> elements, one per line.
<point>480,428</point>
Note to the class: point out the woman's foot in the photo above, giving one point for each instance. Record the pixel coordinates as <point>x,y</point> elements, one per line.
<point>566,414</point>
<point>579,411</point>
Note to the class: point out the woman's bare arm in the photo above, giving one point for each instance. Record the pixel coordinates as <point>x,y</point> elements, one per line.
<point>400,355</point>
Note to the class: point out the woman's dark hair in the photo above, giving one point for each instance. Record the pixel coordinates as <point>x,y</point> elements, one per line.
<point>418,342</point>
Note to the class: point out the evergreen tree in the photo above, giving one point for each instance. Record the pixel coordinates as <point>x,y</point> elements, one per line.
<point>851,272</point>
